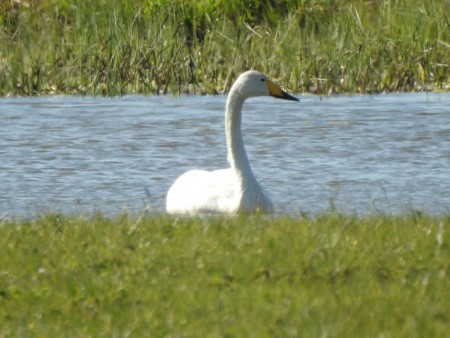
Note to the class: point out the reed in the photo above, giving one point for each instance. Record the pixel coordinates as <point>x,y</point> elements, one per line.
<point>160,47</point>
<point>333,275</point>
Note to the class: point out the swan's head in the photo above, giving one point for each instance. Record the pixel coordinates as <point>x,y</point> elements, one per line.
<point>253,83</point>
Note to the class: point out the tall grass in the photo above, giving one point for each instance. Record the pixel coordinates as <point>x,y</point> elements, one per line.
<point>117,47</point>
<point>331,276</point>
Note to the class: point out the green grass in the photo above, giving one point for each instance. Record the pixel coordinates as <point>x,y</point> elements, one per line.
<point>329,276</point>
<point>158,47</point>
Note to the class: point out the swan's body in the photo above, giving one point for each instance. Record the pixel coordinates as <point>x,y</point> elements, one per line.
<point>235,189</point>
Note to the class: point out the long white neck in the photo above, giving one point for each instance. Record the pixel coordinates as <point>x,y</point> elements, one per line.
<point>237,156</point>
<point>252,197</point>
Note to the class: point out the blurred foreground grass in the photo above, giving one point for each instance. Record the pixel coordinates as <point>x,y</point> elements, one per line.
<point>330,276</point>
<point>157,47</point>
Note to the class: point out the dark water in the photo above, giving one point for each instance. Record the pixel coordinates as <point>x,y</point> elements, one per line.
<point>358,154</point>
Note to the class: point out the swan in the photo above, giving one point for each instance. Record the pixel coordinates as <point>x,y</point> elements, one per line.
<point>233,190</point>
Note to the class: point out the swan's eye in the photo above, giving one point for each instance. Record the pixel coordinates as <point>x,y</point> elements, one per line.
<point>262,80</point>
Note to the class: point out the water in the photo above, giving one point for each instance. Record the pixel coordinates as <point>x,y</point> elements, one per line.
<point>357,154</point>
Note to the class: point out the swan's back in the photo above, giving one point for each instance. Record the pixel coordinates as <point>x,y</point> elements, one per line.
<point>219,191</point>
<point>201,191</point>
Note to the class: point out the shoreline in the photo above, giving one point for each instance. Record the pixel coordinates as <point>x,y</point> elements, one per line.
<point>174,47</point>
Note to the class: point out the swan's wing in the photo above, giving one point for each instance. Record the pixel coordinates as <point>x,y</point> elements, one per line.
<point>198,191</point>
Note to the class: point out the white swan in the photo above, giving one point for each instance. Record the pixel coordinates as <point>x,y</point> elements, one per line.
<point>232,190</point>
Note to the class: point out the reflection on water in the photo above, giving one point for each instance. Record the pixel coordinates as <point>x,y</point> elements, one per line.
<point>362,154</point>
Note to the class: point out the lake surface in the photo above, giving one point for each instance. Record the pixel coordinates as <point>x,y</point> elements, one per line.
<point>358,154</point>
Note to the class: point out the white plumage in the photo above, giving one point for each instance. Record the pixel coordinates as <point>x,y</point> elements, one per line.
<point>232,190</point>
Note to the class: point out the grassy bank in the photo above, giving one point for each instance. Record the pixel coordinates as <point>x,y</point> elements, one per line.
<point>331,276</point>
<point>153,47</point>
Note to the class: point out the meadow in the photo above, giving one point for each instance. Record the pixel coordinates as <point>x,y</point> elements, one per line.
<point>160,47</point>
<point>245,276</point>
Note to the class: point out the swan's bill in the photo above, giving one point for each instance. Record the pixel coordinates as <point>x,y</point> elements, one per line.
<point>276,91</point>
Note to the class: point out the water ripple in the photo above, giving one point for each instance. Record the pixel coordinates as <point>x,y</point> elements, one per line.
<point>361,154</point>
